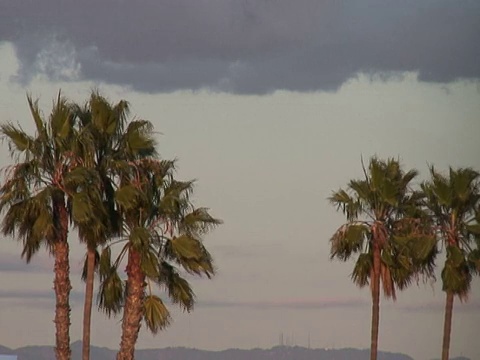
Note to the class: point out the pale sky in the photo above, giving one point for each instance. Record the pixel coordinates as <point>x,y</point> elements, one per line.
<point>286,99</point>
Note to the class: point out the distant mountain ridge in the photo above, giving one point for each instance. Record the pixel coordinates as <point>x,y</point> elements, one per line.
<point>181,353</point>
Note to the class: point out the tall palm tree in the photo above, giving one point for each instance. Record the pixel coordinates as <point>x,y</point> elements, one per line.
<point>162,232</point>
<point>106,141</point>
<point>454,202</point>
<point>384,227</point>
<point>34,197</point>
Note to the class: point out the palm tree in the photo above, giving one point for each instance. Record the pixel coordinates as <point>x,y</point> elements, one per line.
<point>384,226</point>
<point>454,202</point>
<point>34,195</point>
<point>106,141</point>
<point>162,232</point>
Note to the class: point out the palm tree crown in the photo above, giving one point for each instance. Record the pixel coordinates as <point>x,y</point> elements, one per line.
<point>383,213</point>
<point>454,205</point>
<point>34,198</point>
<point>106,140</point>
<point>162,232</point>
<point>385,227</point>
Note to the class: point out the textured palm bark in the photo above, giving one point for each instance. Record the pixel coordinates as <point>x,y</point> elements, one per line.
<point>62,284</point>
<point>375,303</point>
<point>133,309</point>
<point>447,326</point>
<point>87,307</point>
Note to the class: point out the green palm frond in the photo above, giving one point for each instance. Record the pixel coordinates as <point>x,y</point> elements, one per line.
<point>18,140</point>
<point>31,221</point>
<point>81,177</point>
<point>105,262</point>
<point>348,239</point>
<point>102,116</point>
<point>150,263</point>
<point>440,189</point>
<point>139,238</point>
<point>198,222</point>
<point>155,313</point>
<point>111,294</point>
<point>384,213</point>
<point>179,290</point>
<point>39,122</point>
<point>128,197</point>
<point>378,173</point>
<point>81,207</point>
<point>456,275</point>
<point>362,270</point>
<point>474,261</point>
<point>61,120</point>
<point>184,247</point>
<point>406,179</point>
<point>18,185</point>
<point>174,201</point>
<point>190,254</point>
<point>138,140</point>
<point>350,206</point>
<point>453,201</point>
<point>121,110</point>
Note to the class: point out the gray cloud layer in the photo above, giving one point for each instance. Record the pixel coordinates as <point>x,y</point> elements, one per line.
<point>39,264</point>
<point>13,263</point>
<point>242,46</point>
<point>298,304</point>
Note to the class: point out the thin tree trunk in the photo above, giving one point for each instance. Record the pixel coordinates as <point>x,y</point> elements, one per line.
<point>133,309</point>
<point>61,283</point>
<point>62,309</point>
<point>375,303</point>
<point>87,307</point>
<point>447,325</point>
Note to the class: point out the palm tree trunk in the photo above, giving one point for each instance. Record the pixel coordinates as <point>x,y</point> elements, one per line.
<point>62,284</point>
<point>62,309</point>
<point>375,303</point>
<point>87,307</point>
<point>133,309</point>
<point>447,325</point>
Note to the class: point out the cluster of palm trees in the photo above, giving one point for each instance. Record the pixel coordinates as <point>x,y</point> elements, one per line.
<point>90,169</point>
<point>397,232</point>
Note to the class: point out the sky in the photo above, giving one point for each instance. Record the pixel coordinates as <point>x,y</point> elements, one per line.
<point>270,105</point>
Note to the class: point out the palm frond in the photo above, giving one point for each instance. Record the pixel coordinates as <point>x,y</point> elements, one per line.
<point>362,270</point>
<point>111,292</point>
<point>348,239</point>
<point>179,290</point>
<point>198,222</point>
<point>155,313</point>
<point>350,206</point>
<point>456,274</point>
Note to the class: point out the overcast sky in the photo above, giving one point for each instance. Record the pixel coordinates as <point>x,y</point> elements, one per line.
<point>270,105</point>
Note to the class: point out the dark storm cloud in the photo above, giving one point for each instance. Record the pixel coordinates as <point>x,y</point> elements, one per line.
<point>242,46</point>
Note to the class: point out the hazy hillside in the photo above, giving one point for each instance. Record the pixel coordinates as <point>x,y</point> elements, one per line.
<point>280,353</point>
<point>276,353</point>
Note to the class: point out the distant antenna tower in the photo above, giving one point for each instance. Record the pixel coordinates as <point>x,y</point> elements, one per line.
<point>309,339</point>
